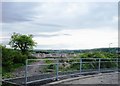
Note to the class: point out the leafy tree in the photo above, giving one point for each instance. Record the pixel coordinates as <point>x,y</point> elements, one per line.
<point>22,42</point>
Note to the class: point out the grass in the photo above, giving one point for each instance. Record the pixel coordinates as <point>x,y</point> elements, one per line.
<point>18,65</point>
<point>0,70</point>
<point>7,74</point>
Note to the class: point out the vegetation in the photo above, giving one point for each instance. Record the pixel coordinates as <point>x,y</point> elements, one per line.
<point>12,59</point>
<point>94,64</point>
<point>70,65</point>
<point>22,42</point>
<point>15,58</point>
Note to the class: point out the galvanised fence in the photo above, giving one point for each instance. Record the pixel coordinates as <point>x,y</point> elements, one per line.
<point>44,70</point>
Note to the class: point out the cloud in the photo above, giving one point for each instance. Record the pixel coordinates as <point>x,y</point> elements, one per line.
<point>61,1</point>
<point>17,11</point>
<point>51,46</point>
<point>81,39</point>
<point>77,25</point>
<point>52,16</point>
<point>115,18</point>
<point>48,25</point>
<point>50,35</point>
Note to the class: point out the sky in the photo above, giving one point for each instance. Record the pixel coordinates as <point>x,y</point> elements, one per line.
<point>62,25</point>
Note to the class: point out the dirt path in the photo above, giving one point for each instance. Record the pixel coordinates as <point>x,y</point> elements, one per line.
<point>32,70</point>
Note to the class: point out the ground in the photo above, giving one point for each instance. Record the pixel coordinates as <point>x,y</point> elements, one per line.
<point>33,70</point>
<point>102,78</point>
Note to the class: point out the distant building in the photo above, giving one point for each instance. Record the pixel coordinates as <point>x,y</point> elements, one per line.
<point>43,55</point>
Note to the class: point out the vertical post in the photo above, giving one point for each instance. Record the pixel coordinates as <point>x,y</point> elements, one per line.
<point>57,69</point>
<point>80,65</point>
<point>99,64</point>
<point>117,64</point>
<point>26,71</point>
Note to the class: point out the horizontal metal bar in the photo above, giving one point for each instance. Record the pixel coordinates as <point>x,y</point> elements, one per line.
<point>108,61</point>
<point>39,59</point>
<point>71,58</point>
<point>42,64</point>
<point>100,58</point>
<point>13,83</point>
<point>40,80</point>
<point>98,61</point>
<point>68,63</point>
<point>69,74</point>
<point>13,78</point>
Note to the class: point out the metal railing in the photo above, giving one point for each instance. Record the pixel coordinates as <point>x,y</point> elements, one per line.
<point>59,68</point>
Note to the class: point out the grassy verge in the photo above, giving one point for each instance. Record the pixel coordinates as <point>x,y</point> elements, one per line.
<point>8,74</point>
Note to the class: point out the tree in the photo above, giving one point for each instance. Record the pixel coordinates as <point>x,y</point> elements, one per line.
<point>22,42</point>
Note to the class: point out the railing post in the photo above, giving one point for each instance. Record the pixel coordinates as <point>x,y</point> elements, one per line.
<point>117,64</point>
<point>80,65</point>
<point>99,64</point>
<point>26,71</point>
<point>57,69</point>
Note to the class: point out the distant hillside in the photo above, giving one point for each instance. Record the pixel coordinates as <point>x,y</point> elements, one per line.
<point>112,50</point>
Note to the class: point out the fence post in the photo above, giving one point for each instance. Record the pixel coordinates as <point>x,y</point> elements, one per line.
<point>99,64</point>
<point>80,65</point>
<point>117,64</point>
<point>57,69</point>
<point>26,71</point>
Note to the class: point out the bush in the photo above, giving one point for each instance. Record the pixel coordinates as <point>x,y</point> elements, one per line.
<point>11,57</point>
<point>19,57</point>
<point>31,57</point>
<point>7,75</point>
<point>7,59</point>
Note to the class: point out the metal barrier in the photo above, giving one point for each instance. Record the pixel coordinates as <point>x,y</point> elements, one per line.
<point>56,69</point>
<point>45,70</point>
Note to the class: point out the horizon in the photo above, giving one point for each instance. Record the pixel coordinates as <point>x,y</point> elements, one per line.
<point>72,49</point>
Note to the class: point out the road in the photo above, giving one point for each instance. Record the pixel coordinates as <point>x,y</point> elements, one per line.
<point>102,78</point>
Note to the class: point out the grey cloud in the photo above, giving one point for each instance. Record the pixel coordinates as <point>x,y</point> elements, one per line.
<point>50,35</point>
<point>67,34</point>
<point>17,11</point>
<point>27,28</point>
<point>99,16</point>
<point>50,25</point>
